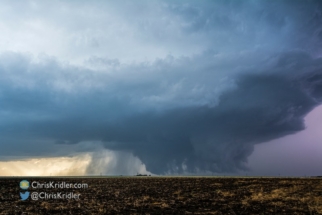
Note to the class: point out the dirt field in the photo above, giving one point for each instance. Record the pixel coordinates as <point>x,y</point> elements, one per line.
<point>170,195</point>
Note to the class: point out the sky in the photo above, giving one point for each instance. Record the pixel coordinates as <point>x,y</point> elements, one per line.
<point>220,87</point>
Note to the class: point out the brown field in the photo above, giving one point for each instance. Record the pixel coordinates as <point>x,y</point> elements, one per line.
<point>171,195</point>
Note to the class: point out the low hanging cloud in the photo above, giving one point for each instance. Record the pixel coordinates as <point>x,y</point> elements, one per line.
<point>255,76</point>
<point>215,137</point>
<point>220,138</point>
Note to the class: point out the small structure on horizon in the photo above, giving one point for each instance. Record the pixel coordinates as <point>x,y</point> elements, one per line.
<point>139,174</point>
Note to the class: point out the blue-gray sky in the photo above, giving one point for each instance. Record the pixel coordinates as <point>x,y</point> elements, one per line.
<point>180,86</point>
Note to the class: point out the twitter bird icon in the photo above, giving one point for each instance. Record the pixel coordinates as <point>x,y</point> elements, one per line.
<point>24,196</point>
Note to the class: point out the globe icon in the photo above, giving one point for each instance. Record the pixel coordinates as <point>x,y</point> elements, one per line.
<point>24,184</point>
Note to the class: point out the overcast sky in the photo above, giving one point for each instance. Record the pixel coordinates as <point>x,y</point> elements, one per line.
<point>161,87</point>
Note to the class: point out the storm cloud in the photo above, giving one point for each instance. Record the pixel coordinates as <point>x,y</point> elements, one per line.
<point>225,75</point>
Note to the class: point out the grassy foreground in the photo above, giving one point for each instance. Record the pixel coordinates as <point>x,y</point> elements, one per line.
<point>169,195</point>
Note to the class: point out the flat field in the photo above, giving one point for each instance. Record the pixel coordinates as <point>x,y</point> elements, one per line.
<point>169,195</point>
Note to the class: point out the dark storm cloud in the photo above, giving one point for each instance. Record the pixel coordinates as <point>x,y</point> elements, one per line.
<point>259,74</point>
<point>261,107</point>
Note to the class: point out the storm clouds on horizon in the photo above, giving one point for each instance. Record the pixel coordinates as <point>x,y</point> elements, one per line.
<point>183,86</point>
